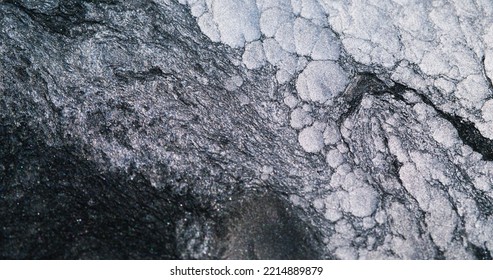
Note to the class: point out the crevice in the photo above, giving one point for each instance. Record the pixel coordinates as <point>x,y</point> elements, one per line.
<point>467,131</point>
<point>479,252</point>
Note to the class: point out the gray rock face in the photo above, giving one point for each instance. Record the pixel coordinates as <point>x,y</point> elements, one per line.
<point>158,129</point>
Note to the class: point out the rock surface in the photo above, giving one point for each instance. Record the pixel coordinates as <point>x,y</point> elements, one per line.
<point>205,129</point>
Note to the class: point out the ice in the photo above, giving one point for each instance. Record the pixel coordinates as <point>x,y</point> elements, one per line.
<point>285,61</point>
<point>415,184</point>
<point>321,80</point>
<point>311,139</point>
<point>288,63</point>
<point>445,85</point>
<point>434,63</point>
<point>237,21</point>
<point>443,49</point>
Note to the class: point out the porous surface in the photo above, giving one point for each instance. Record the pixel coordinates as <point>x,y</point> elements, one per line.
<point>204,129</point>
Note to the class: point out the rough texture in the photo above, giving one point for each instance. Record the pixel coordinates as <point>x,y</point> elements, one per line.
<point>201,129</point>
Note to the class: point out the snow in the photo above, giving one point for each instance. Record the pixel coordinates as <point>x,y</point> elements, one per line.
<point>296,5</point>
<point>312,10</point>
<point>291,101</point>
<point>444,132</point>
<point>311,139</point>
<point>233,83</point>
<point>264,5</point>
<point>332,208</point>
<point>273,51</point>
<point>237,21</point>
<point>346,253</point>
<point>487,110</point>
<point>442,220</point>
<point>285,37</point>
<point>363,201</point>
<point>254,56</point>
<point>334,158</point>
<point>434,47</point>
<point>198,7</point>
<point>488,63</point>
<point>266,172</point>
<point>415,185</point>
<point>319,204</point>
<point>473,90</point>
<point>305,36</point>
<point>209,27</point>
<point>327,46</point>
<point>300,118</point>
<point>331,134</point>
<point>272,19</point>
<point>321,80</point>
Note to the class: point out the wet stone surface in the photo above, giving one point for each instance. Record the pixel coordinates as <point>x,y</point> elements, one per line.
<point>246,129</point>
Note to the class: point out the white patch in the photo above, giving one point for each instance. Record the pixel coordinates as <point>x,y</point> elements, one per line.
<point>291,101</point>
<point>311,139</point>
<point>488,63</point>
<point>327,47</point>
<point>319,204</point>
<point>305,36</point>
<point>346,253</point>
<point>237,21</point>
<point>300,118</point>
<point>296,6</point>
<point>321,80</point>
<point>209,27</point>
<point>233,83</point>
<point>198,8</point>
<point>473,89</point>
<point>487,110</point>
<point>363,201</point>
<point>254,56</point>
<point>331,134</point>
<point>272,19</point>
<point>285,37</point>
<point>334,158</point>
<point>312,10</point>
<point>273,51</point>
<point>444,132</point>
<point>267,170</point>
